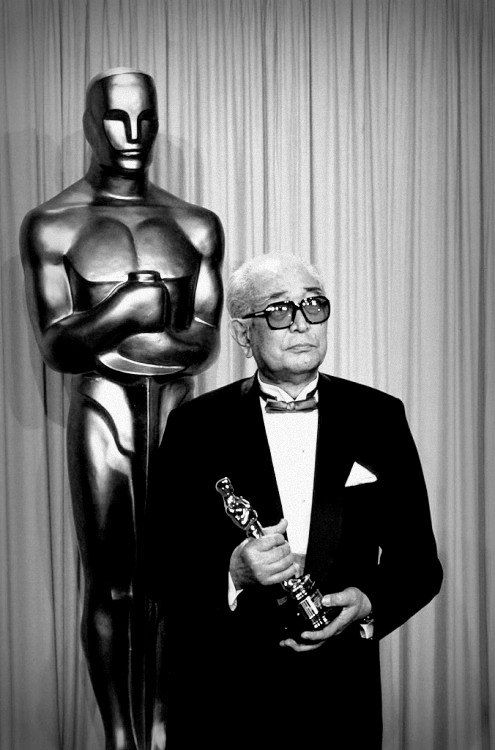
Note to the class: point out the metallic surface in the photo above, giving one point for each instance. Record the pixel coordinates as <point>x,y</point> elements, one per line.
<point>302,589</point>
<point>238,509</point>
<point>124,292</point>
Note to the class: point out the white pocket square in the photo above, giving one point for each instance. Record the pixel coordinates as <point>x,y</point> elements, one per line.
<point>359,475</point>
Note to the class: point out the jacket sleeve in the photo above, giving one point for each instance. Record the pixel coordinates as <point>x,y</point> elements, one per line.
<point>186,567</point>
<point>409,573</point>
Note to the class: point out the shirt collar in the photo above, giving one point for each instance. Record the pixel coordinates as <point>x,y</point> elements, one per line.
<point>273,390</point>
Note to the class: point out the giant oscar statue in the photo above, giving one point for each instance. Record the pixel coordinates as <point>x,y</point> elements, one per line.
<point>124,291</point>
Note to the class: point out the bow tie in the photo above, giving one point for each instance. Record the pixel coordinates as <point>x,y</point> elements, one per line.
<point>286,407</point>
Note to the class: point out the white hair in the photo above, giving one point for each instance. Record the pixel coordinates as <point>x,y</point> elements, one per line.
<point>242,287</point>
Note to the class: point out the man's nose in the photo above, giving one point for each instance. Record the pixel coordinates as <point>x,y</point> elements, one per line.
<point>299,323</point>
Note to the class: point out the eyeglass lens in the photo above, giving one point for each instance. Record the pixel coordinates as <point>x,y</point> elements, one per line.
<point>282,315</point>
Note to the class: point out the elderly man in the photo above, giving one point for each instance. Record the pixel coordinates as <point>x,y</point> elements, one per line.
<point>332,471</point>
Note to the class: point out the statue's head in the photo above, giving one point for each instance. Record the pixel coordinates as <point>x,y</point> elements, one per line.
<point>120,119</point>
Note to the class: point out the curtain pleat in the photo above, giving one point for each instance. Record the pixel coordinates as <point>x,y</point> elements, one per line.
<point>358,134</point>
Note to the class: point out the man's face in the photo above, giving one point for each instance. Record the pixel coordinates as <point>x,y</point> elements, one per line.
<point>289,354</point>
<point>121,121</point>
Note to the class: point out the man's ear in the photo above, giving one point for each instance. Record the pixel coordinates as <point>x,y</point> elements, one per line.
<point>239,330</point>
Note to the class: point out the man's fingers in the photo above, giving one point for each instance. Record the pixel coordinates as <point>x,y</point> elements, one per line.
<point>280,552</point>
<point>334,628</point>
<point>334,600</point>
<point>268,542</point>
<point>279,566</point>
<point>350,603</point>
<point>280,572</point>
<point>296,646</point>
<point>345,598</point>
<point>316,638</point>
<point>267,556</point>
<point>279,528</point>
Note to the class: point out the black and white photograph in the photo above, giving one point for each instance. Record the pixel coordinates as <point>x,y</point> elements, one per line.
<point>247,283</point>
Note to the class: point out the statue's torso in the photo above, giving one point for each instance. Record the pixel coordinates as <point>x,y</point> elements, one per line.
<point>104,243</point>
<point>109,242</point>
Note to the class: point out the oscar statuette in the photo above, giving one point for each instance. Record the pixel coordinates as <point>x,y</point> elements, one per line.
<point>302,590</point>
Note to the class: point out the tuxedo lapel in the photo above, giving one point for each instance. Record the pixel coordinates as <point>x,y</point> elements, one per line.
<point>253,475</point>
<point>332,465</point>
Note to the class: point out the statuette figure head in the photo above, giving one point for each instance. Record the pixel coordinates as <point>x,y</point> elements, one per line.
<point>121,119</point>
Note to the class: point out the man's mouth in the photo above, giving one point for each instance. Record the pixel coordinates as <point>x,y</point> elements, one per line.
<point>301,347</point>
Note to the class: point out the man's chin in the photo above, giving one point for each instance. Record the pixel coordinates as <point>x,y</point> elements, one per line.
<point>304,362</point>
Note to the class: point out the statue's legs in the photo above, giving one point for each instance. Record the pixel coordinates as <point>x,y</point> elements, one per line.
<point>113,432</point>
<point>100,471</point>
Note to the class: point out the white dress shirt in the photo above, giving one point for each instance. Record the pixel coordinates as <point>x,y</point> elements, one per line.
<point>292,442</point>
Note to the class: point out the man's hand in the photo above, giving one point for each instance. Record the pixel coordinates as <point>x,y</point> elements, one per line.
<point>263,561</point>
<point>355,605</point>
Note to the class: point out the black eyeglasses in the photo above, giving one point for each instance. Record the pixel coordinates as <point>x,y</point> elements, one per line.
<point>282,314</point>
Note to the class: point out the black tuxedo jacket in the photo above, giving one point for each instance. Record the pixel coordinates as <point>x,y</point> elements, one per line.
<point>376,536</point>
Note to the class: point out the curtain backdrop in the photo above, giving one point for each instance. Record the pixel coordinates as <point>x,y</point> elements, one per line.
<point>357,133</point>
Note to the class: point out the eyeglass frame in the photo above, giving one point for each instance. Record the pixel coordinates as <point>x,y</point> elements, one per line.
<point>295,307</point>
